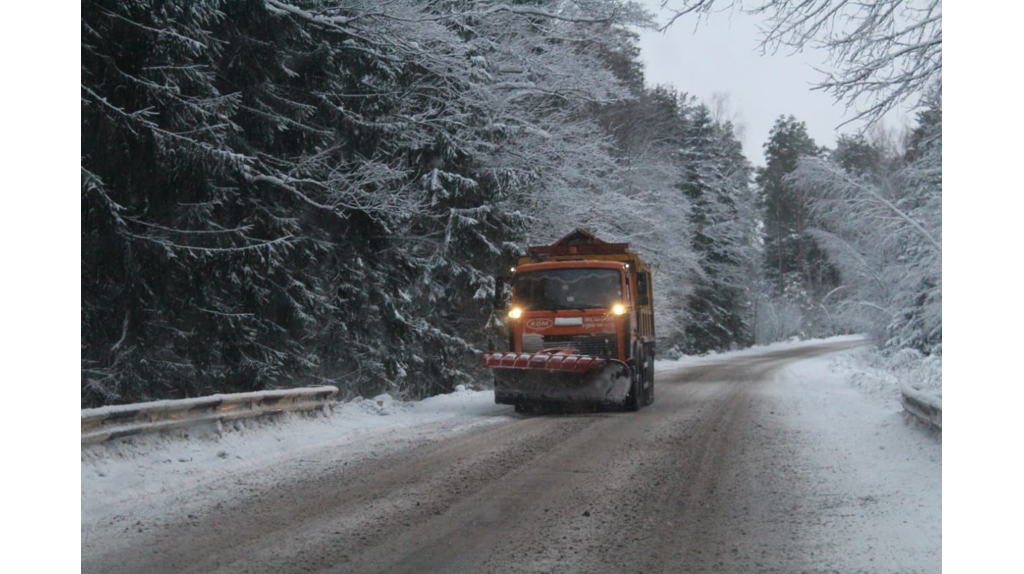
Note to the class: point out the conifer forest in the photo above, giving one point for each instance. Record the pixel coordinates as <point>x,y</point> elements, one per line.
<point>286,193</point>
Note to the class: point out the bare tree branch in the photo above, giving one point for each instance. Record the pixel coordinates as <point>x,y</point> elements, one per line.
<point>881,53</point>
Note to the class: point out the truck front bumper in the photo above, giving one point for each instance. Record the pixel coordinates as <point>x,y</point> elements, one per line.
<point>546,377</point>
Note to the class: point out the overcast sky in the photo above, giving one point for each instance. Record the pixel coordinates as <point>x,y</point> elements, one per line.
<point>722,55</point>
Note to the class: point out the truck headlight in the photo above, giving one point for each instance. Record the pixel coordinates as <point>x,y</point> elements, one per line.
<point>619,309</point>
<point>515,313</point>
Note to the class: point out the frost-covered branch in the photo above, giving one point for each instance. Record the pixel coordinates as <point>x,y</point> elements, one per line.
<point>881,52</point>
<point>838,185</point>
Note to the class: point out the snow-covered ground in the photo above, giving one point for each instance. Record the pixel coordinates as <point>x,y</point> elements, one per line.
<point>149,464</point>
<point>155,467</point>
<point>838,459</point>
<point>149,473</point>
<point>874,474</point>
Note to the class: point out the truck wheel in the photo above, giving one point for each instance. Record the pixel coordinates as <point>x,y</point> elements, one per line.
<point>634,398</point>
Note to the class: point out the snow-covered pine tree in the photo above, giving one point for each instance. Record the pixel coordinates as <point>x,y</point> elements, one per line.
<point>795,265</point>
<point>716,182</point>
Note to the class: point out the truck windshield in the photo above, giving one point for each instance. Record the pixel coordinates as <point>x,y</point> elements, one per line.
<point>569,289</point>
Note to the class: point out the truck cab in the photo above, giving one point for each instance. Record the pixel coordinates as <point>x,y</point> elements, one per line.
<point>583,306</point>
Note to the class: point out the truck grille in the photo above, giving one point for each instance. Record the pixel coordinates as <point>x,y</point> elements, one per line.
<point>596,345</point>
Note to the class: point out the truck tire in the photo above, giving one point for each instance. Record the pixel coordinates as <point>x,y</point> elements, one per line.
<point>634,399</point>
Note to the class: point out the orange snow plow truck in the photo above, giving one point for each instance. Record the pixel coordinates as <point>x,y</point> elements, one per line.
<point>580,327</point>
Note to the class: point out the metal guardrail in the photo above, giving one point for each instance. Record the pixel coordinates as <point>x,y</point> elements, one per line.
<point>107,423</point>
<point>922,405</point>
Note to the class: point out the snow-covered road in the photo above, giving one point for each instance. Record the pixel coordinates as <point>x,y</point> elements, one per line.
<point>746,462</point>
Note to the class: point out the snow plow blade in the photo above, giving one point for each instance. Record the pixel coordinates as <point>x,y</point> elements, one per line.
<point>558,377</point>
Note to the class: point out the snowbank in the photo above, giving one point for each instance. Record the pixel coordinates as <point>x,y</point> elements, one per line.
<point>882,377</point>
<point>690,360</point>
<point>151,466</point>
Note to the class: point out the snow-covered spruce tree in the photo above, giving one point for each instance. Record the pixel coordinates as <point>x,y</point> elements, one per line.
<point>276,193</point>
<point>716,180</point>
<point>795,265</point>
<point>176,265</point>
